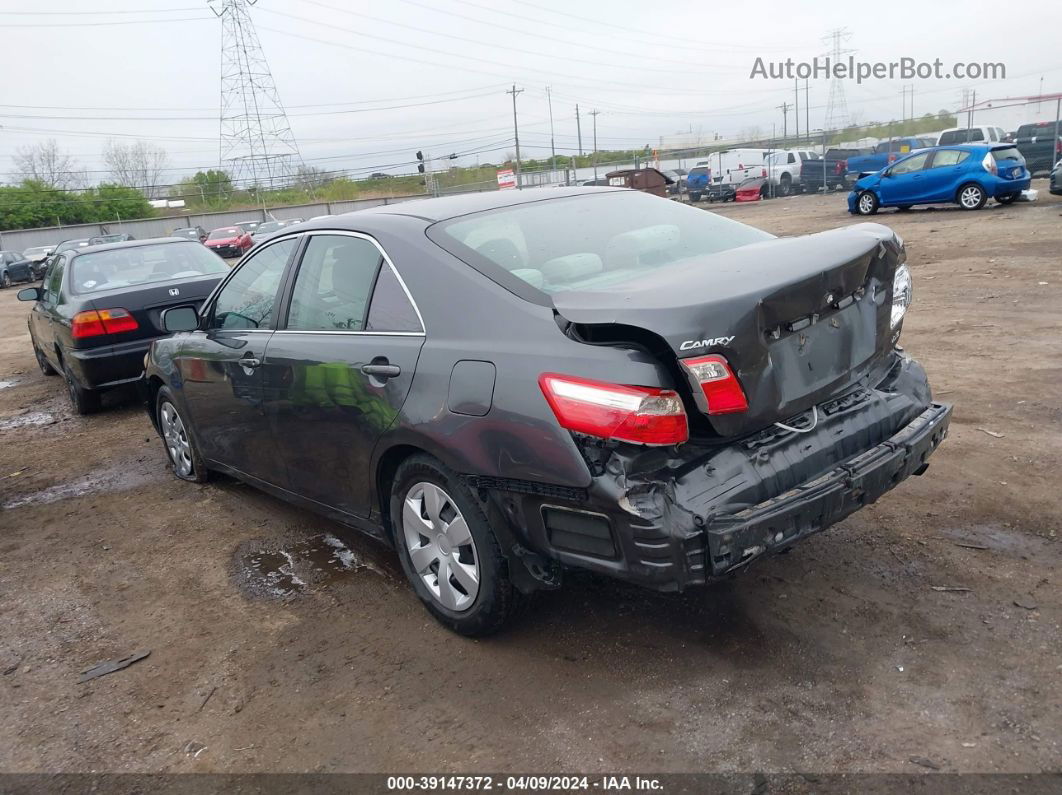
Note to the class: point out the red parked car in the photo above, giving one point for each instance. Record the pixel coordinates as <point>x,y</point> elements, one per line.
<point>229,241</point>
<point>751,190</point>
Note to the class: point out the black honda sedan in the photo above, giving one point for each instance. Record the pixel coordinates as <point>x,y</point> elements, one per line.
<point>98,308</point>
<point>511,385</point>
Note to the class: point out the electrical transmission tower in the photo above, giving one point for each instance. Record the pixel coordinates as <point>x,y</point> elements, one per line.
<point>257,145</point>
<point>836,104</point>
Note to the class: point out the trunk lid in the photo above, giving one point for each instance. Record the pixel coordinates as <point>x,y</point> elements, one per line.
<point>147,302</point>
<point>798,319</point>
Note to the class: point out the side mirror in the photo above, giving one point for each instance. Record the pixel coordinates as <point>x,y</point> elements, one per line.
<point>30,294</point>
<point>887,172</point>
<point>180,318</point>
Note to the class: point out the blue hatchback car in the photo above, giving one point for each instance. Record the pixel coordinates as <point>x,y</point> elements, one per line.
<point>966,174</point>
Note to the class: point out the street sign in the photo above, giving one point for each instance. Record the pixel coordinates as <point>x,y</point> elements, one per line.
<point>506,179</point>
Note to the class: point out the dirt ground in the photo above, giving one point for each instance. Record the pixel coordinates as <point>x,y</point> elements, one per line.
<point>281,642</point>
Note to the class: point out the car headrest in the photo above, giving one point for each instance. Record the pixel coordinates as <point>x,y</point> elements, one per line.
<point>572,267</point>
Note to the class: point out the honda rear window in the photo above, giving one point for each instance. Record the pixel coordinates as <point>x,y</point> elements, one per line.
<point>125,267</point>
<point>591,242</point>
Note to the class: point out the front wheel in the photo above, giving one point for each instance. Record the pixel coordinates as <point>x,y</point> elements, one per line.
<point>1010,198</point>
<point>180,447</point>
<point>448,550</point>
<point>867,203</point>
<point>971,197</point>
<point>785,185</point>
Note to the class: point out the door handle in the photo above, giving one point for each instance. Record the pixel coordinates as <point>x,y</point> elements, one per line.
<point>249,361</point>
<point>381,369</point>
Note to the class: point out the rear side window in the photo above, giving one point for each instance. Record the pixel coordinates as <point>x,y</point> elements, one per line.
<point>391,309</point>
<point>248,299</point>
<point>589,242</point>
<point>333,285</point>
<point>949,157</point>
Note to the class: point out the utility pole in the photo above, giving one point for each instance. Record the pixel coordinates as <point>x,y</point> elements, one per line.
<point>516,134</point>
<point>579,130</point>
<point>552,145</point>
<point>594,113</point>
<point>969,113</point>
<point>807,105</point>
<point>796,106</point>
<point>784,107</point>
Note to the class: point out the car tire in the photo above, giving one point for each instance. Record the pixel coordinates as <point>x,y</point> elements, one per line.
<point>42,361</point>
<point>476,598</point>
<point>785,185</point>
<point>84,401</point>
<point>867,203</point>
<point>5,280</point>
<point>695,197</point>
<point>971,196</point>
<point>181,450</point>
<point>1010,198</point>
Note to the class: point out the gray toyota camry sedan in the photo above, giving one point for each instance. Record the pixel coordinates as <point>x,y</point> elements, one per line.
<point>508,386</point>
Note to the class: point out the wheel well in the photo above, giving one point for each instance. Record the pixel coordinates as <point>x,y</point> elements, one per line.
<point>385,475</point>
<point>154,385</point>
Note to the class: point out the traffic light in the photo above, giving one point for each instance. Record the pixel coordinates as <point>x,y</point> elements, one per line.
<point>420,165</point>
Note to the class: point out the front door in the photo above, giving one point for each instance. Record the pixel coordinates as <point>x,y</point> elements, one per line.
<point>337,371</point>
<point>905,183</point>
<point>220,366</point>
<point>42,316</point>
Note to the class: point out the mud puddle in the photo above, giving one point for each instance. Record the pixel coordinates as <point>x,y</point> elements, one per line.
<point>109,480</point>
<point>28,420</point>
<point>293,567</point>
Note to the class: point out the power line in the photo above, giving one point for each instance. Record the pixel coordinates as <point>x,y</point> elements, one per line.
<point>4,25</point>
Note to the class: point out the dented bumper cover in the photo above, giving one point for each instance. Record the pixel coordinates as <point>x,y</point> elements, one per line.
<point>687,516</point>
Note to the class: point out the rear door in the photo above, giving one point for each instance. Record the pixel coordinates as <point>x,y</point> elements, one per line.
<point>942,176</point>
<point>338,370</point>
<point>220,365</point>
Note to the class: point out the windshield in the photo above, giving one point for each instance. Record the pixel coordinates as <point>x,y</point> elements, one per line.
<point>124,267</point>
<point>269,226</point>
<point>225,234</point>
<point>591,242</point>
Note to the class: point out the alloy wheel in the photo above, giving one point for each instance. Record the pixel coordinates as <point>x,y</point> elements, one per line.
<point>970,197</point>
<point>440,545</point>
<point>866,204</point>
<point>176,439</point>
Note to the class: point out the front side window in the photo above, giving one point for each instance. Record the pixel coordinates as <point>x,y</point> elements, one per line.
<point>593,242</point>
<point>248,299</point>
<point>334,282</point>
<point>911,164</point>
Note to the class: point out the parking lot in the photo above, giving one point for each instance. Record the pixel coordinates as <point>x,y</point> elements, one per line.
<point>922,633</point>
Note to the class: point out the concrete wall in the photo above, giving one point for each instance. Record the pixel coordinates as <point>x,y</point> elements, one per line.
<point>21,239</point>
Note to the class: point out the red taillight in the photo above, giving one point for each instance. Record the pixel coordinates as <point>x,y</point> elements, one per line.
<point>93,323</point>
<point>989,164</point>
<point>841,167</point>
<point>717,381</point>
<point>639,414</point>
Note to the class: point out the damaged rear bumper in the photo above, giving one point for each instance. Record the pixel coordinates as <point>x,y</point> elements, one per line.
<point>670,519</point>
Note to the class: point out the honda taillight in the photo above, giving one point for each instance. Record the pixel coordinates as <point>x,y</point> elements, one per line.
<point>639,414</point>
<point>94,322</point>
<point>720,387</point>
<point>989,164</point>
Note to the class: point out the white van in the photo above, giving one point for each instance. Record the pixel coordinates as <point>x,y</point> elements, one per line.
<point>734,166</point>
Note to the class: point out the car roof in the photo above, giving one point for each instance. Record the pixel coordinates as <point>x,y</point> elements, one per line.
<point>154,241</point>
<point>446,207</point>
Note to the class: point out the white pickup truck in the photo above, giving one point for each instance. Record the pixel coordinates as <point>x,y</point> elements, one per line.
<point>783,169</point>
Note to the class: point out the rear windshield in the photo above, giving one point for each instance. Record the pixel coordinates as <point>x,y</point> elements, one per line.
<point>225,234</point>
<point>125,267</point>
<point>1010,153</point>
<point>592,242</point>
<point>699,171</point>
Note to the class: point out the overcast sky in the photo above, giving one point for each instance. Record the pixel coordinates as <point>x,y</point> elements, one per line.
<point>82,73</point>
